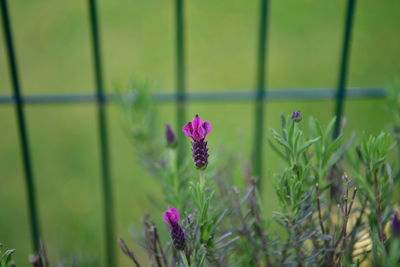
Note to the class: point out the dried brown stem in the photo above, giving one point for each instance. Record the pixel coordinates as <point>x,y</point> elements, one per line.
<point>155,247</point>
<point>321,224</point>
<point>378,207</point>
<point>245,227</point>
<point>254,207</point>
<point>346,208</point>
<point>43,255</point>
<point>353,232</point>
<point>158,242</point>
<point>127,251</point>
<point>346,218</point>
<point>150,236</point>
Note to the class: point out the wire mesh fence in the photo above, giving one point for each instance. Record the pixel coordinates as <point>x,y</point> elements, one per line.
<point>260,95</point>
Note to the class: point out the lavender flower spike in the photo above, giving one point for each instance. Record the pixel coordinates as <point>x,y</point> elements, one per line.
<point>396,224</point>
<point>171,218</point>
<point>296,116</point>
<point>169,135</point>
<point>197,130</point>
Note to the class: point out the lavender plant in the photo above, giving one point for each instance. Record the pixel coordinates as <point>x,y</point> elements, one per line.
<point>335,201</point>
<point>38,259</point>
<point>338,201</point>
<point>6,257</point>
<point>156,155</point>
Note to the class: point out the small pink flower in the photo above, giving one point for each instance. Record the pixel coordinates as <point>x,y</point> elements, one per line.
<point>171,216</point>
<point>196,129</point>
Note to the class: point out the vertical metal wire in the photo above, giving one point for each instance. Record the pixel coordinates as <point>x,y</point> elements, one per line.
<point>260,91</point>
<point>104,151</point>
<point>180,75</point>
<point>343,69</point>
<point>22,128</point>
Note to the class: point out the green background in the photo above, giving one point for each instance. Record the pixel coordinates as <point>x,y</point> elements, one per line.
<point>54,55</point>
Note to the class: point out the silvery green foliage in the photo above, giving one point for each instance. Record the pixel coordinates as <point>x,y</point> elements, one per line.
<point>140,111</point>
<point>347,225</point>
<point>335,198</point>
<point>6,257</point>
<point>157,155</point>
<point>393,110</point>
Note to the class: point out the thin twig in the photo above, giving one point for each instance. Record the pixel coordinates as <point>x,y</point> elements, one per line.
<point>43,255</point>
<point>353,232</point>
<point>127,251</point>
<point>245,228</point>
<point>158,242</point>
<point>378,207</point>
<point>346,208</point>
<point>346,218</point>
<point>258,221</point>
<point>352,200</point>
<point>154,244</point>
<point>321,224</point>
<point>150,239</point>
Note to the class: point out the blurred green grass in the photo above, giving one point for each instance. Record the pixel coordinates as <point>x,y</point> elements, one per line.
<point>54,55</point>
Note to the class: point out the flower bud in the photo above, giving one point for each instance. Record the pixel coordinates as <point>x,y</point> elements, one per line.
<point>200,154</point>
<point>171,218</point>
<point>395,224</point>
<point>296,116</point>
<point>169,135</point>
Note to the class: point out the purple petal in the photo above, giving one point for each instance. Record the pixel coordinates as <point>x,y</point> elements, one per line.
<point>206,127</point>
<point>171,216</point>
<point>187,129</point>
<point>196,122</point>
<point>169,135</point>
<point>166,217</point>
<point>198,131</point>
<point>174,213</point>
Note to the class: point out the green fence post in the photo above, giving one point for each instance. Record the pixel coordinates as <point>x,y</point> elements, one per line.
<point>180,75</point>
<point>22,128</point>
<point>260,94</point>
<point>104,148</point>
<point>341,88</point>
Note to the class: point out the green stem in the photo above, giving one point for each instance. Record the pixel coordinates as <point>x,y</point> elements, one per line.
<point>183,257</point>
<point>174,178</point>
<point>203,205</point>
<point>202,179</point>
<point>174,166</point>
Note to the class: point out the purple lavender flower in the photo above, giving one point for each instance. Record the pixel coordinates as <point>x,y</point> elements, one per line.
<point>296,116</point>
<point>197,130</point>
<point>169,135</point>
<point>171,218</point>
<point>396,224</point>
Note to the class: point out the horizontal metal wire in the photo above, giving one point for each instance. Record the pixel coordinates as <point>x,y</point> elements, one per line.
<point>209,96</point>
